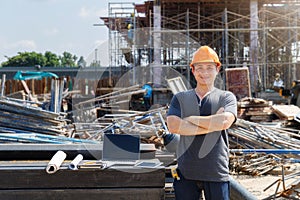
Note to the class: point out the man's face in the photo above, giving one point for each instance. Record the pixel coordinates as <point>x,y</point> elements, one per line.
<point>205,73</point>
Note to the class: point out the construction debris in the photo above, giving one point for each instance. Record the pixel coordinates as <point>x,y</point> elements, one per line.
<point>247,134</point>
<point>259,145</point>
<point>286,112</point>
<point>28,116</point>
<point>255,109</point>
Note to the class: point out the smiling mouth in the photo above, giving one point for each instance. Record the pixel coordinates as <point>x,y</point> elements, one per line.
<point>205,77</point>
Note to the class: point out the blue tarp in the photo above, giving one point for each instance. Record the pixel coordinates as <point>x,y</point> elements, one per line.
<point>27,75</point>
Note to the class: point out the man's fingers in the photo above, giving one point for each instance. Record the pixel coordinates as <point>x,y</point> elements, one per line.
<point>221,110</point>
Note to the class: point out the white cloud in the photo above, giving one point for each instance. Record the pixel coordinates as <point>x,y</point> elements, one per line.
<point>22,44</point>
<point>11,49</point>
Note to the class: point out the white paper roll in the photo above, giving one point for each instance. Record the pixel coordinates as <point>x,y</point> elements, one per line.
<point>55,162</point>
<point>75,162</point>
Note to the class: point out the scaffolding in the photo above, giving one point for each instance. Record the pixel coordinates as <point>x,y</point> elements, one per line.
<point>121,17</point>
<point>261,35</point>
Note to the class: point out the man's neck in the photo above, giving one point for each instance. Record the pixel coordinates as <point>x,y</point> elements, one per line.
<point>201,91</point>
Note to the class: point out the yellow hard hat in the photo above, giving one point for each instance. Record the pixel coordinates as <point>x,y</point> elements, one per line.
<point>129,26</point>
<point>205,54</point>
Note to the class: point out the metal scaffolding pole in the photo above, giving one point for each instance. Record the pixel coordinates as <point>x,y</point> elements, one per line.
<point>267,31</point>
<point>157,70</point>
<point>253,45</point>
<point>225,39</point>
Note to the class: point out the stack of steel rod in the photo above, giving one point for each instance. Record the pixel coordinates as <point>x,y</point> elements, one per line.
<point>116,102</point>
<point>258,149</point>
<point>254,164</point>
<point>40,138</point>
<point>245,134</point>
<point>23,116</point>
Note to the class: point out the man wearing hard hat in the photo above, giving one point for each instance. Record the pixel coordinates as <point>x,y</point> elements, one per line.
<point>201,116</point>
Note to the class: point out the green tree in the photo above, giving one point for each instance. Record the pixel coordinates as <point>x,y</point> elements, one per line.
<point>25,59</point>
<point>68,60</point>
<point>52,60</point>
<point>28,59</point>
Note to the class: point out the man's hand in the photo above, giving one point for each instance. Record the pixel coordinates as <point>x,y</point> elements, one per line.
<point>221,110</point>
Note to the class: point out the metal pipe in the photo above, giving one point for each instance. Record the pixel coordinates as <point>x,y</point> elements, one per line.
<point>223,29</point>
<point>275,151</point>
<point>74,164</point>
<point>55,162</point>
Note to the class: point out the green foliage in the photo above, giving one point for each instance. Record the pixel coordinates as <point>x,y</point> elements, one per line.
<point>68,59</point>
<point>26,59</point>
<point>30,59</point>
<point>52,59</point>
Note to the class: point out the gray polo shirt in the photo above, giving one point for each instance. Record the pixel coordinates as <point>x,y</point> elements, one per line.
<point>203,157</point>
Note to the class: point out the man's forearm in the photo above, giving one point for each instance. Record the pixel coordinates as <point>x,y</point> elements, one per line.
<point>215,122</point>
<point>183,127</point>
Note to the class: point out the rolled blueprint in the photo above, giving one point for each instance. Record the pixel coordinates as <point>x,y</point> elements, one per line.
<point>73,165</point>
<point>55,162</point>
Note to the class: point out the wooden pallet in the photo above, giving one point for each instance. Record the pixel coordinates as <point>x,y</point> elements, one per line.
<point>286,112</point>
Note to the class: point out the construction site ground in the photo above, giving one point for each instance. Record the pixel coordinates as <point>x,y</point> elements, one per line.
<point>263,187</point>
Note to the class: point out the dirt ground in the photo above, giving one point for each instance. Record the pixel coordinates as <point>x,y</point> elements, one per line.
<point>261,186</point>
<point>256,185</point>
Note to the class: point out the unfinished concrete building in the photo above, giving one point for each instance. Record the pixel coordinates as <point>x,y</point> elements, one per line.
<point>260,35</point>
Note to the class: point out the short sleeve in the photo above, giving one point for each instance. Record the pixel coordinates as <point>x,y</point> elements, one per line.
<point>174,108</point>
<point>230,103</point>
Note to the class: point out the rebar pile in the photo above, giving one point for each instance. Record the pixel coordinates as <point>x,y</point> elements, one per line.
<point>250,135</point>
<point>150,125</point>
<point>254,164</point>
<point>258,149</point>
<point>18,116</point>
<point>286,190</point>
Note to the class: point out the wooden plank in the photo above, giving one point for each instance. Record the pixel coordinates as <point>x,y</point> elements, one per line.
<point>286,111</point>
<point>238,82</point>
<point>258,113</point>
<point>85,194</point>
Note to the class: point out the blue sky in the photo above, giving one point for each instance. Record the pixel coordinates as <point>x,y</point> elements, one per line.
<point>53,25</point>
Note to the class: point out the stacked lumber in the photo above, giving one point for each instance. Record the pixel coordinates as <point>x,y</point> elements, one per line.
<point>255,109</point>
<point>288,115</point>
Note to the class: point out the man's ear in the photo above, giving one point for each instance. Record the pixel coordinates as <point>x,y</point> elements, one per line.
<point>192,68</point>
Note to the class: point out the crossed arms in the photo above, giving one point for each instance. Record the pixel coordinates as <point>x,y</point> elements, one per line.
<point>198,125</point>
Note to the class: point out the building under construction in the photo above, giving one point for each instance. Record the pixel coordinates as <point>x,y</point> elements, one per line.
<point>260,35</point>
